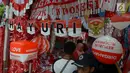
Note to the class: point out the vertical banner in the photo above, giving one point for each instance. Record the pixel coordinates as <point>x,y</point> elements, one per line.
<point>45,27</point>
<point>96,27</point>
<point>74,28</point>
<point>60,28</point>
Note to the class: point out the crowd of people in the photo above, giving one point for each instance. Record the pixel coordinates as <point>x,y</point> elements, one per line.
<point>78,58</point>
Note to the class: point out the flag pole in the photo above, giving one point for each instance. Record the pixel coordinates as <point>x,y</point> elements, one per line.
<point>6,40</point>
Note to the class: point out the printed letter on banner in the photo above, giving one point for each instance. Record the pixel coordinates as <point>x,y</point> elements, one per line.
<point>19,27</point>
<point>11,25</point>
<point>45,27</point>
<point>60,28</point>
<point>74,28</point>
<point>23,51</point>
<point>31,28</point>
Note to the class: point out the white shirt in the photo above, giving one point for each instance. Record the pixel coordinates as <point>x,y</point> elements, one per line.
<point>59,64</point>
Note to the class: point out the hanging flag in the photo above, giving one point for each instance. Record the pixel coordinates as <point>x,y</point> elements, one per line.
<point>20,6</point>
<point>74,28</point>
<point>45,27</point>
<point>122,21</point>
<point>31,28</point>
<point>96,26</point>
<point>60,28</point>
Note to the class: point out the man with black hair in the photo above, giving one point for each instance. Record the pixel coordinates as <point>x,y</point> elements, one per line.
<point>64,65</point>
<point>69,48</point>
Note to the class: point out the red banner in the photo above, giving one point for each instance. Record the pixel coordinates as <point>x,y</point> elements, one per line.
<point>60,27</point>
<point>44,8</point>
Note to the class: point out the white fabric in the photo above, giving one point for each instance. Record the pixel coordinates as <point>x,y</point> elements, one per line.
<point>19,1</point>
<point>59,64</point>
<point>121,25</point>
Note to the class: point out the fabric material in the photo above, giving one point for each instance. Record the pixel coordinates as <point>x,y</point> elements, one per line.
<point>59,64</point>
<point>64,66</point>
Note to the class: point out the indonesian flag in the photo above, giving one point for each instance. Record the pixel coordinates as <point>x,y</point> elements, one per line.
<point>45,27</point>
<point>74,28</point>
<point>121,22</point>
<point>20,6</point>
<point>60,28</point>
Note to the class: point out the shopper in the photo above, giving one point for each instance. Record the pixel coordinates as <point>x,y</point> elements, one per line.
<point>79,50</point>
<point>86,64</point>
<point>64,65</point>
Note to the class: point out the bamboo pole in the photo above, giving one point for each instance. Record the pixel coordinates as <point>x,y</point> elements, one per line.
<point>119,70</point>
<point>53,38</point>
<point>30,67</point>
<point>6,43</point>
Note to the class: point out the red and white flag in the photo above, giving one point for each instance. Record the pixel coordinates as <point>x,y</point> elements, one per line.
<point>74,28</point>
<point>20,6</point>
<point>60,28</point>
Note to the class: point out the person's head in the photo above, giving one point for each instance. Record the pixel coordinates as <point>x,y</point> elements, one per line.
<point>80,48</point>
<point>69,48</point>
<point>86,63</point>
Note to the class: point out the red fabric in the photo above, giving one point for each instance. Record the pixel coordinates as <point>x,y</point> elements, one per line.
<point>123,18</point>
<point>127,67</point>
<point>16,66</point>
<point>78,51</point>
<point>109,14</point>
<point>1,47</point>
<point>76,56</point>
<point>4,1</point>
<point>19,7</point>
